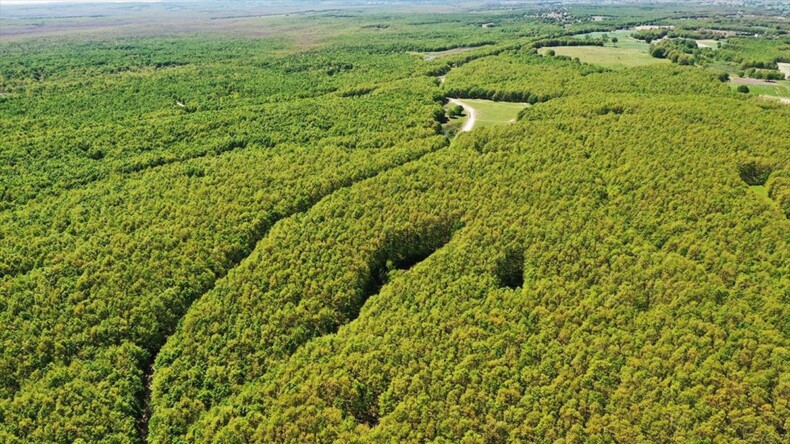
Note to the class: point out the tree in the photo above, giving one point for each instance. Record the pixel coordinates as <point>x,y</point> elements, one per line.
<point>659,52</point>
<point>743,89</point>
<point>456,111</point>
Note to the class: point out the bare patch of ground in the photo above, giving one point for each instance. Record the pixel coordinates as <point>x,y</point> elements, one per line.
<point>714,44</point>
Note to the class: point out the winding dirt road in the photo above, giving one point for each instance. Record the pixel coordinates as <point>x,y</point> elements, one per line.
<point>471,115</point>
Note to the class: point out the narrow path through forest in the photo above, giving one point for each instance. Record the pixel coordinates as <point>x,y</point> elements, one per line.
<point>471,115</point>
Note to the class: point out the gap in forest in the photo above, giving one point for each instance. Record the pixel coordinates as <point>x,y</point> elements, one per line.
<point>400,253</point>
<point>510,269</point>
<point>754,173</point>
<point>145,415</point>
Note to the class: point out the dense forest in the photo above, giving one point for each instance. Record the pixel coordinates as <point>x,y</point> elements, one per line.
<point>208,238</point>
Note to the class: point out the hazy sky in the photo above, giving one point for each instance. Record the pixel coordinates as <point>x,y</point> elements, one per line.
<point>38,2</point>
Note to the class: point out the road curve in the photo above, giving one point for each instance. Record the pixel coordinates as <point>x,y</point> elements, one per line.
<point>471,115</point>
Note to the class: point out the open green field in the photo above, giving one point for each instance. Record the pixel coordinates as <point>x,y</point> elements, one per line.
<point>620,34</point>
<point>759,190</point>
<point>626,56</point>
<point>490,113</point>
<point>780,88</point>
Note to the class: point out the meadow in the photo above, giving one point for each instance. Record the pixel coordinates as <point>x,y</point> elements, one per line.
<point>608,56</point>
<point>491,113</point>
<point>774,89</point>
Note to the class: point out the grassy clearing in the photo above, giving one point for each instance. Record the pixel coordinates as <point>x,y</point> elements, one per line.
<point>625,54</point>
<point>490,113</point>
<point>620,33</point>
<point>713,44</point>
<point>759,190</point>
<point>780,88</point>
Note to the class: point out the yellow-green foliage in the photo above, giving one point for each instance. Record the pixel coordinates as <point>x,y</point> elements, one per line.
<point>296,254</point>
<point>638,254</point>
<point>515,77</point>
<point>779,189</point>
<point>751,52</point>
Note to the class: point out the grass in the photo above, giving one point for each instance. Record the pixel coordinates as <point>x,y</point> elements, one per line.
<point>626,54</point>
<point>491,113</point>
<point>713,44</point>
<point>453,127</point>
<point>759,190</point>
<point>621,33</point>
<point>778,89</point>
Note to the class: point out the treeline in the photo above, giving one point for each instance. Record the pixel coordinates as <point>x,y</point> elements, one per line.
<point>759,53</point>
<point>649,35</point>
<point>680,51</point>
<point>567,41</point>
<point>765,74</point>
<point>529,77</point>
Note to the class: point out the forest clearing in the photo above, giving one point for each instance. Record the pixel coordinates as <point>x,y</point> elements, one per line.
<point>608,56</point>
<point>488,113</point>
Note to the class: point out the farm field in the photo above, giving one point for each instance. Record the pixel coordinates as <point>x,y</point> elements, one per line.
<point>398,222</point>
